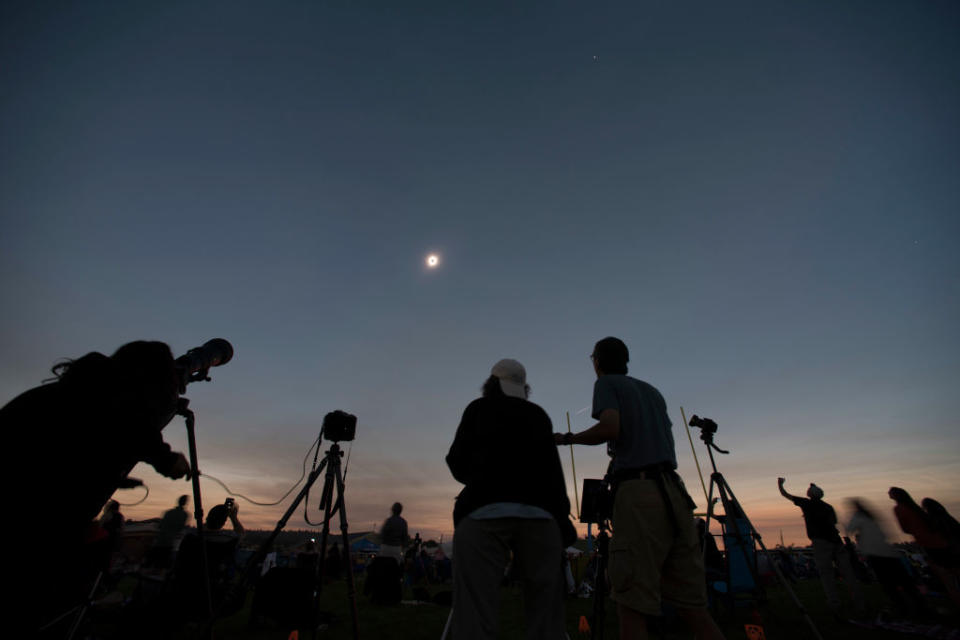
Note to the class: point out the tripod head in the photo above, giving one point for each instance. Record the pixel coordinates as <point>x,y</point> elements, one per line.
<point>708,428</point>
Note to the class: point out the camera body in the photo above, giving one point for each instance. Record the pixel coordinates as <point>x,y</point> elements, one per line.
<point>706,425</point>
<point>228,503</point>
<point>596,502</point>
<point>339,426</point>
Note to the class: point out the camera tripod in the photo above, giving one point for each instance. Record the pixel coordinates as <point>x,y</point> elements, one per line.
<point>736,519</point>
<point>330,505</point>
<point>333,481</point>
<point>600,581</point>
<point>597,507</point>
<point>188,418</point>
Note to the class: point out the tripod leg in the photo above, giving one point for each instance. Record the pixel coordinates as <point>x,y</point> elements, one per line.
<point>600,584</point>
<point>326,503</point>
<point>351,587</point>
<point>710,515</point>
<point>446,627</point>
<point>197,504</point>
<point>84,607</point>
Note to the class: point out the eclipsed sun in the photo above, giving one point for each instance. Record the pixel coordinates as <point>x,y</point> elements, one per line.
<point>433,261</point>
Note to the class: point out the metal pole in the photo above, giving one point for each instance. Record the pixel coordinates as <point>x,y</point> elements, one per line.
<point>197,503</point>
<point>576,498</point>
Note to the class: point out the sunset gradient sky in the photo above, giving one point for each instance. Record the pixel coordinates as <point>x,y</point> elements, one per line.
<point>760,198</point>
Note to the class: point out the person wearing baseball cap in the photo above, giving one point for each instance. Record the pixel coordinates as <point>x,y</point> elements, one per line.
<point>828,549</point>
<point>655,556</point>
<point>514,501</point>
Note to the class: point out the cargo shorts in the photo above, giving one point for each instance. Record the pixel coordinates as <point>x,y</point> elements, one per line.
<point>654,557</point>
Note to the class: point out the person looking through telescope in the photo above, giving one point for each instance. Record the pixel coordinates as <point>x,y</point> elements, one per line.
<point>655,551</point>
<point>98,419</point>
<point>88,428</point>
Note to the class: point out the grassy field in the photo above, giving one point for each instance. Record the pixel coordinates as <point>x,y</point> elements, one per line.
<point>781,619</point>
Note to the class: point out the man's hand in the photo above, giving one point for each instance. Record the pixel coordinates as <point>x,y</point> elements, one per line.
<point>179,468</point>
<point>780,481</point>
<point>606,430</point>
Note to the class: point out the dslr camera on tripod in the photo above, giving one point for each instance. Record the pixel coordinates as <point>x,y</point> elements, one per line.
<point>706,425</point>
<point>339,426</point>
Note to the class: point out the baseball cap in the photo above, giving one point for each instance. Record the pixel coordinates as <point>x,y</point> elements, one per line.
<point>512,377</point>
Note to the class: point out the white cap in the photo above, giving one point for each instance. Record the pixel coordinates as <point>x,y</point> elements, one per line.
<point>512,376</point>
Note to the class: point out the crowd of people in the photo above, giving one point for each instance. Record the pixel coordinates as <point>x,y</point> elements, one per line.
<point>935,531</point>
<point>513,507</point>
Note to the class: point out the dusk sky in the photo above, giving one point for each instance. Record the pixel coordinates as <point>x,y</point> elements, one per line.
<point>762,199</point>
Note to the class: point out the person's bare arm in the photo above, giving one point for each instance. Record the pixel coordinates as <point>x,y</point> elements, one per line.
<point>237,527</point>
<point>783,491</point>
<point>607,429</point>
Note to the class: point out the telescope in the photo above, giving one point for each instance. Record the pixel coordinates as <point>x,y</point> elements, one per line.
<point>195,363</point>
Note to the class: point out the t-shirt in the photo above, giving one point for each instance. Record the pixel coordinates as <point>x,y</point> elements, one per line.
<point>646,436</point>
<point>820,518</point>
<point>394,531</point>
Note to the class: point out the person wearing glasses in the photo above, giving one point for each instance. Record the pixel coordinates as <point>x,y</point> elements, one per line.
<point>655,553</point>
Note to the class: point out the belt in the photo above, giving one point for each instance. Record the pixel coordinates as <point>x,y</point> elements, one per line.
<point>655,472</point>
<point>648,472</point>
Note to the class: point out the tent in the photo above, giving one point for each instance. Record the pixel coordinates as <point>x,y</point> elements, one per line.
<point>363,545</point>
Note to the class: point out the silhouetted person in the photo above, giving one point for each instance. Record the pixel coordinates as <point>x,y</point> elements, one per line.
<point>168,533</point>
<point>655,553</point>
<point>221,549</point>
<point>393,534</point>
<point>98,418</point>
<point>945,523</point>
<point>828,549</point>
<point>307,559</point>
<point>514,500</point>
<point>111,520</point>
<point>935,544</point>
<point>859,568</point>
<point>101,549</point>
<point>334,562</point>
<point>885,560</point>
<point>444,567</point>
